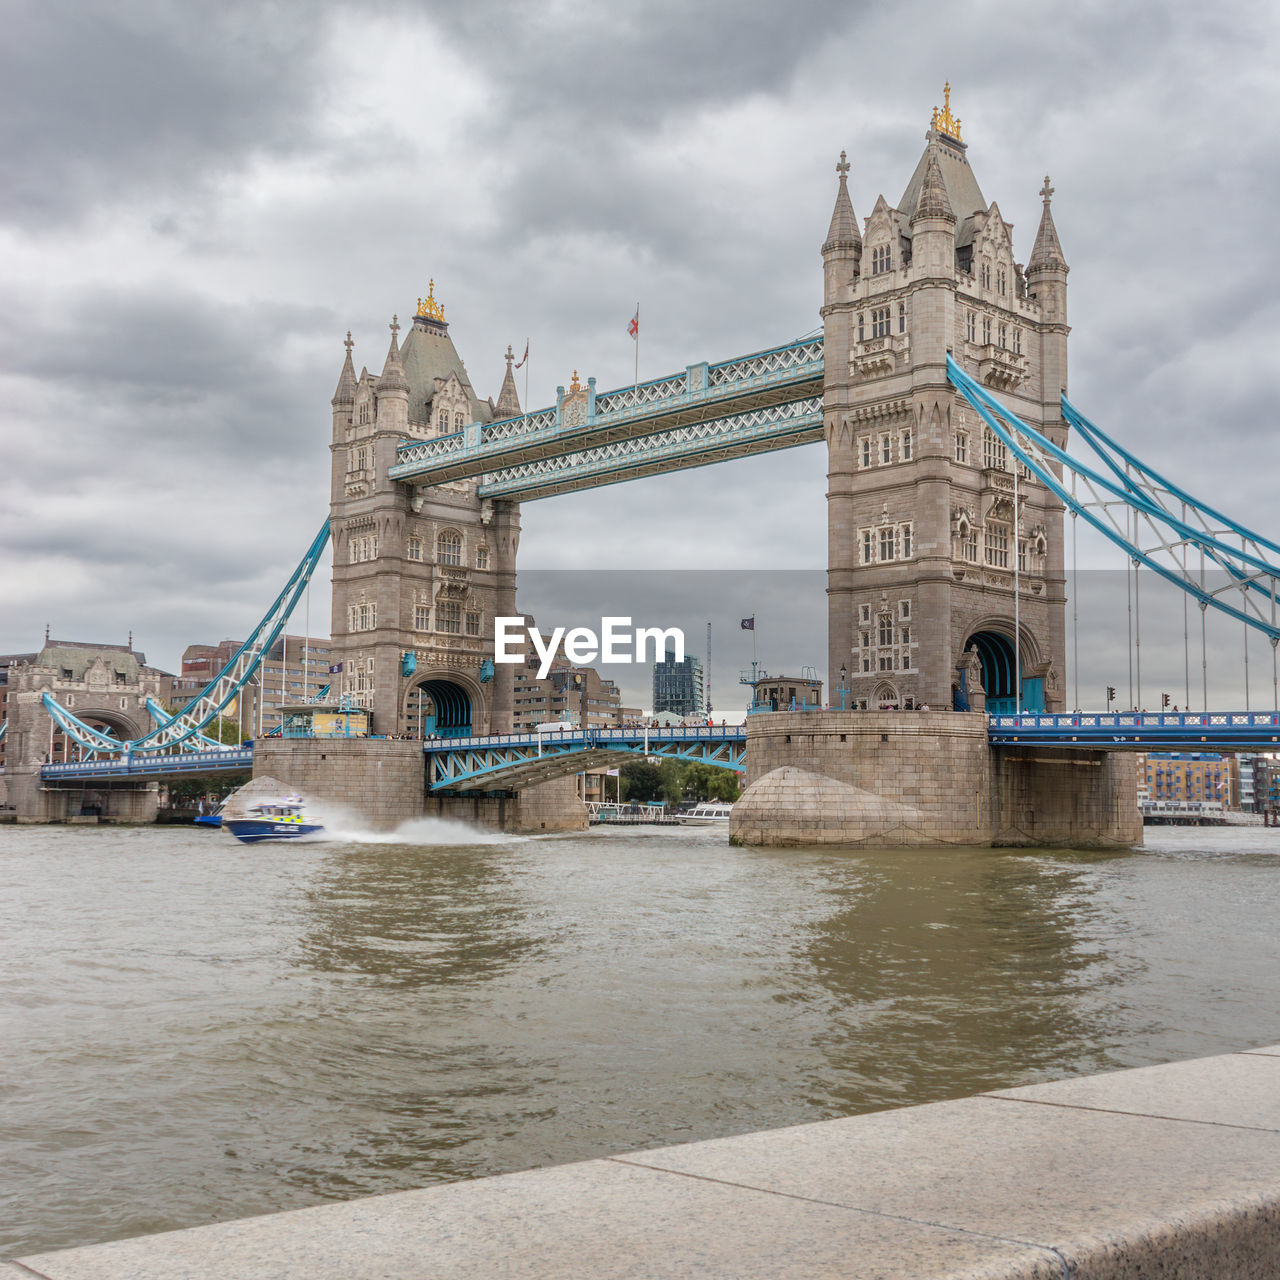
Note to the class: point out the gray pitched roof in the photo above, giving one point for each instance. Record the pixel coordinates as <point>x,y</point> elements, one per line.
<point>426,354</point>
<point>961,186</point>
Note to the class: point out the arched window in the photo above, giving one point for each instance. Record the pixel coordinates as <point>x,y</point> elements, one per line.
<point>457,421</point>
<point>482,557</point>
<point>449,548</point>
<point>443,421</point>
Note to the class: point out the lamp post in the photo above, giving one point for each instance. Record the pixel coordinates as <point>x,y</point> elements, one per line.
<point>844,685</point>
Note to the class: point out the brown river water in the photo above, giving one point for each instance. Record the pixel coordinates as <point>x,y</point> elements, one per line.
<point>193,1030</point>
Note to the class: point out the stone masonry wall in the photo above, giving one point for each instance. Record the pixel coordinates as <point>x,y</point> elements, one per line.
<point>549,806</point>
<point>380,780</point>
<point>1078,799</point>
<point>935,761</point>
<point>966,792</point>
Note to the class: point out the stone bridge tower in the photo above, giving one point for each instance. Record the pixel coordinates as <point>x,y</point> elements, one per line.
<point>419,572</point>
<point>106,686</point>
<point>926,550</point>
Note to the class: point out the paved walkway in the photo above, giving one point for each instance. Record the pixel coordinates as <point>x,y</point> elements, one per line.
<point>1170,1171</point>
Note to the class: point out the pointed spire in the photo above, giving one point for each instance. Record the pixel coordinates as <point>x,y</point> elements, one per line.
<point>843,232</point>
<point>1047,253</point>
<point>346,391</point>
<point>508,405</point>
<point>933,202</point>
<point>393,378</point>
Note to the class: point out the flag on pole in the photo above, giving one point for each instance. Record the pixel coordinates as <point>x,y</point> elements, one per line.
<point>524,357</point>
<point>633,326</point>
<point>748,624</point>
<point>335,668</point>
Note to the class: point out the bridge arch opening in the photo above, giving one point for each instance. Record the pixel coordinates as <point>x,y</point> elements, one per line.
<point>439,707</point>
<point>998,660</point>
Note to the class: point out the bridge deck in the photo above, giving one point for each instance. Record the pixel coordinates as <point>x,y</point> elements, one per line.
<point>1143,731</point>
<point>509,761</point>
<point>514,760</point>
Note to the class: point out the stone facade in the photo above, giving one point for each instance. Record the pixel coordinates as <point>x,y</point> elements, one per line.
<point>924,541</point>
<point>418,570</point>
<point>946,783</point>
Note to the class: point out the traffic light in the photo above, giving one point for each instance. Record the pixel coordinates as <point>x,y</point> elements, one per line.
<point>1164,699</point>
<point>1111,694</point>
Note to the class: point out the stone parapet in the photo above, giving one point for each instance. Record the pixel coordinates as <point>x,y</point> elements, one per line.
<point>1161,1171</point>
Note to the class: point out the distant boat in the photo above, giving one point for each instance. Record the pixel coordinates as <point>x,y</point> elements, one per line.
<point>273,820</point>
<point>706,814</point>
<point>211,819</point>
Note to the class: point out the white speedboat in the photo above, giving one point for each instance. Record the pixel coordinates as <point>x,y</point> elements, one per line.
<point>708,813</point>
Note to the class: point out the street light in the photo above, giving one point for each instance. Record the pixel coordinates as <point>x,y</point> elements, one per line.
<point>844,684</point>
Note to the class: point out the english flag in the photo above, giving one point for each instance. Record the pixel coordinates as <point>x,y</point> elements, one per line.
<point>633,327</point>
<point>524,357</point>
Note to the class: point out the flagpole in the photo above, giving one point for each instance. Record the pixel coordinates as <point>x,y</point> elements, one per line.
<point>637,380</point>
<point>526,377</point>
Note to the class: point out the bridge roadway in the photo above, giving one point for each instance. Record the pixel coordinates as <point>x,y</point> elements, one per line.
<point>707,413</point>
<point>506,762</point>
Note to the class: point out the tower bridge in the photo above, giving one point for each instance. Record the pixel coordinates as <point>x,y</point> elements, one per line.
<point>939,388</point>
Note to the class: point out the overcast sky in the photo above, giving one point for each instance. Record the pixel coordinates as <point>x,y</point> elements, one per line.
<point>200,201</point>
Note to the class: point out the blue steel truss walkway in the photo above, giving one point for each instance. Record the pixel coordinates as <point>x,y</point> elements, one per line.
<point>707,413</point>
<point>509,761</point>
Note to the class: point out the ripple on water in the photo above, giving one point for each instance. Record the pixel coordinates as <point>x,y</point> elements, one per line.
<point>196,1029</point>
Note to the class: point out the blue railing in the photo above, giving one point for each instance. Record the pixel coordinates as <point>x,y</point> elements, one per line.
<point>1190,729</point>
<point>139,765</point>
<point>691,733</point>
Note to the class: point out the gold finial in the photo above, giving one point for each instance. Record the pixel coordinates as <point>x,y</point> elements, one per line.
<point>943,121</point>
<point>428,306</point>
<point>575,386</point>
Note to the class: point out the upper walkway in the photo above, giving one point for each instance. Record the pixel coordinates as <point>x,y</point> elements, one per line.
<point>766,400</point>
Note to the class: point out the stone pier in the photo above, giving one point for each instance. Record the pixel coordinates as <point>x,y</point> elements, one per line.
<point>382,782</point>
<point>914,778</point>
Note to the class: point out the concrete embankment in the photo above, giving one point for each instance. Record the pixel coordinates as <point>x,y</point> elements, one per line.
<point>1170,1171</point>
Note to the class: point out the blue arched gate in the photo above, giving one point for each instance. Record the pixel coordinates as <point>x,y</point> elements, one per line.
<point>1000,677</point>
<point>439,707</point>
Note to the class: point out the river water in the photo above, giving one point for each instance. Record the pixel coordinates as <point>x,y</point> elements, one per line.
<point>193,1029</point>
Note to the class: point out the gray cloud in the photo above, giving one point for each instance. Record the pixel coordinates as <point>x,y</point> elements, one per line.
<point>198,209</point>
<point>103,103</point>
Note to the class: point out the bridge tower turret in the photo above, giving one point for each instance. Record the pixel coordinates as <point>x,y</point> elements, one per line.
<point>841,263</point>
<point>419,571</point>
<point>928,557</point>
<point>1047,285</point>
